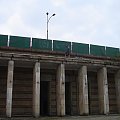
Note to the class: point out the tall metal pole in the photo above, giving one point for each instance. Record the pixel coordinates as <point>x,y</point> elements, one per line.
<point>47,25</point>
<point>48,19</point>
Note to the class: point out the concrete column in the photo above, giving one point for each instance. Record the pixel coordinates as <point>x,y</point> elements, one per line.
<point>83,91</point>
<point>9,88</point>
<point>60,80</point>
<point>36,90</point>
<point>117,86</point>
<point>103,91</point>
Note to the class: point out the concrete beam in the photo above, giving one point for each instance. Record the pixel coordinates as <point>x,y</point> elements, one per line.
<point>83,91</point>
<point>117,86</point>
<point>9,88</point>
<point>60,80</point>
<point>36,90</point>
<point>103,91</point>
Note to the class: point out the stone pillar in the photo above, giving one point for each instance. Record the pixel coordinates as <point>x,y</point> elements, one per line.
<point>83,91</point>
<point>36,90</point>
<point>9,88</point>
<point>103,91</point>
<point>60,80</point>
<point>117,86</point>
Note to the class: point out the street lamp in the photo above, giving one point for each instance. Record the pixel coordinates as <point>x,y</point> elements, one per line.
<point>48,19</point>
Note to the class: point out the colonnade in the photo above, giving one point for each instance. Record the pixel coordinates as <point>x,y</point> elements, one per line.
<point>82,81</point>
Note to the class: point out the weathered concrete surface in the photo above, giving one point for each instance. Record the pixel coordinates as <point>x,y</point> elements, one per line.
<point>60,90</point>
<point>83,91</point>
<point>103,91</point>
<point>9,88</point>
<point>36,90</point>
<point>102,117</point>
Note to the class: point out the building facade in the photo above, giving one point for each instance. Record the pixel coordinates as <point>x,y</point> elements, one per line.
<point>38,82</point>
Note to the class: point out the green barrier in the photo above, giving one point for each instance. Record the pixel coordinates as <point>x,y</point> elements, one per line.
<point>3,40</point>
<point>112,52</point>
<point>42,44</point>
<point>97,50</point>
<point>80,48</point>
<point>61,45</point>
<point>19,42</point>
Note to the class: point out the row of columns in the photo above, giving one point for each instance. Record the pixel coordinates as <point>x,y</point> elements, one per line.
<point>82,81</point>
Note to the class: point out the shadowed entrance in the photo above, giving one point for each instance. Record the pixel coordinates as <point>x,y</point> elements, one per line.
<point>44,98</point>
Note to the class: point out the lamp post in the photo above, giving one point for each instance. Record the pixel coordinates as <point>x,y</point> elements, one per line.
<point>48,19</point>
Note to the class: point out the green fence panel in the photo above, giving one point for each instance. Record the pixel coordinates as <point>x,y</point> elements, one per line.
<point>3,40</point>
<point>97,50</point>
<point>61,45</point>
<point>19,42</point>
<point>42,44</point>
<point>80,48</point>
<point>112,52</point>
<point>119,52</point>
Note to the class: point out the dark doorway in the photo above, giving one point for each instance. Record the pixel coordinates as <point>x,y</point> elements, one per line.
<point>68,98</point>
<point>44,92</point>
<point>93,96</point>
<point>3,88</point>
<point>113,108</point>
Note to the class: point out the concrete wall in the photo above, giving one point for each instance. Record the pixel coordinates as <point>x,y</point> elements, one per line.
<point>112,94</point>
<point>22,91</point>
<point>93,93</point>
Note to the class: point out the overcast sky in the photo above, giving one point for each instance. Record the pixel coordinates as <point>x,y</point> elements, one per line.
<point>85,21</point>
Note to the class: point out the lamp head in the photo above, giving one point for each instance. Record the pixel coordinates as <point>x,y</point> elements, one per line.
<point>54,14</point>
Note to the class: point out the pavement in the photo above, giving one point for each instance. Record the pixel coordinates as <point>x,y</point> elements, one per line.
<point>94,117</point>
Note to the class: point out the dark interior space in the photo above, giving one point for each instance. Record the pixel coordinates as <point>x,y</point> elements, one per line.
<point>44,93</point>
<point>93,93</point>
<point>67,98</point>
<point>112,94</point>
<point>3,90</point>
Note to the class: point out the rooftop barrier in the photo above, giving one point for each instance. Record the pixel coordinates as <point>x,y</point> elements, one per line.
<point>97,50</point>
<point>3,40</point>
<point>19,42</point>
<point>80,48</point>
<point>112,52</point>
<point>61,46</point>
<point>58,46</point>
<point>41,44</point>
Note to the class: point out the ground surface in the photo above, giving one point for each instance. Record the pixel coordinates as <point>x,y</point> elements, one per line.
<point>110,117</point>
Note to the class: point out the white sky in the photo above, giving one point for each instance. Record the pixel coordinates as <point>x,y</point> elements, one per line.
<point>84,21</point>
